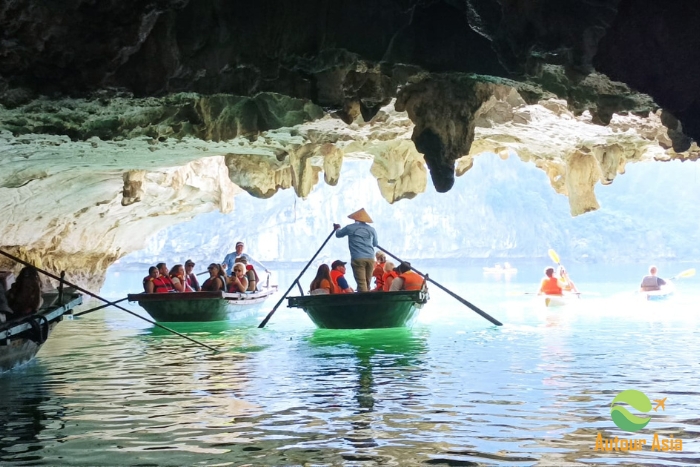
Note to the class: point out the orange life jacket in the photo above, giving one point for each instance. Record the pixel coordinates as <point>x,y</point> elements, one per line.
<point>335,274</point>
<point>388,278</point>
<point>411,281</point>
<point>550,286</point>
<point>378,274</point>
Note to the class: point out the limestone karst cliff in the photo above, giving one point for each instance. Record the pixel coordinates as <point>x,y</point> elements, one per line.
<point>118,118</point>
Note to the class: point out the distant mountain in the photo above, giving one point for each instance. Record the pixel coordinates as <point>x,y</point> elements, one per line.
<point>500,210</point>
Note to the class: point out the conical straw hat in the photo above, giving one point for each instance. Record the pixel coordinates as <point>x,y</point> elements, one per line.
<point>361,216</point>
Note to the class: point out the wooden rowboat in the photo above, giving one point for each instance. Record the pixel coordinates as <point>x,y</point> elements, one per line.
<point>21,339</point>
<point>197,306</point>
<point>365,310</point>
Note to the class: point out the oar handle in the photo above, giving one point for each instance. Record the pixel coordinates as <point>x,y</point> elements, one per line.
<point>63,281</point>
<point>449,292</point>
<point>269,315</point>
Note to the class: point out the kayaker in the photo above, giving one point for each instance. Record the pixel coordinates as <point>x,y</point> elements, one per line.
<point>651,282</point>
<point>362,240</point>
<point>550,283</point>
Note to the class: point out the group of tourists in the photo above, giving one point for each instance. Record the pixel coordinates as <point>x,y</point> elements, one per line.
<point>365,264</point>
<point>179,278</point>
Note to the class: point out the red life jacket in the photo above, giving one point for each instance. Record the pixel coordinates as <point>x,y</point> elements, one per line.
<point>162,284</point>
<point>411,281</point>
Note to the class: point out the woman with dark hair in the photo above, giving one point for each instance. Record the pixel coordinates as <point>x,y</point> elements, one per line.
<point>24,297</point>
<point>322,283</point>
<point>216,279</point>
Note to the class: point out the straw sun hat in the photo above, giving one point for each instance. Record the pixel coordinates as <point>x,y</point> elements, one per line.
<point>361,216</point>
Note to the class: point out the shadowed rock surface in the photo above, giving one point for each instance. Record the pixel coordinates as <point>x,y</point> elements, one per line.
<point>119,94</point>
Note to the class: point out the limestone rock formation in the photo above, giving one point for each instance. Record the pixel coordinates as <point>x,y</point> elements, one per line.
<point>129,116</point>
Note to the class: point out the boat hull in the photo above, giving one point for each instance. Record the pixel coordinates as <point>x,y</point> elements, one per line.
<point>553,301</point>
<point>366,310</point>
<point>21,340</point>
<point>197,306</point>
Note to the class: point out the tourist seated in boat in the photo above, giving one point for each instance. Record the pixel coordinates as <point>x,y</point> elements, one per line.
<point>340,284</point>
<point>407,279</point>
<point>550,285</point>
<point>389,275</point>
<point>164,284</point>
<point>177,276</point>
<point>216,280</point>
<point>238,280</point>
<point>191,282</point>
<point>148,285</point>
<point>378,273</point>
<point>24,297</point>
<point>651,281</point>
<point>322,283</point>
<point>250,272</point>
<point>231,258</point>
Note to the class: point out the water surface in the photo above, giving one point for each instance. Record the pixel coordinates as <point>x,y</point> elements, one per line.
<point>110,389</point>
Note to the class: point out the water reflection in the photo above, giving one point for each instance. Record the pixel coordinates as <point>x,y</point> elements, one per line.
<point>25,411</point>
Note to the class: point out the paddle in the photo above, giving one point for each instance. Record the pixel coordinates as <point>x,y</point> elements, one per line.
<point>76,287</point>
<point>269,315</point>
<point>452,294</point>
<point>555,257</point>
<point>685,274</point>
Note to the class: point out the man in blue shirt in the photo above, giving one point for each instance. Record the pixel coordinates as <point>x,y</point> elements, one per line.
<point>230,259</point>
<point>362,239</point>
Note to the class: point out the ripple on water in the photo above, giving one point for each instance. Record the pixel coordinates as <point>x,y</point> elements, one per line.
<point>454,390</point>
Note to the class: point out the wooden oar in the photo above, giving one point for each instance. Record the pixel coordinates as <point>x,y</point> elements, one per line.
<point>685,274</point>
<point>53,276</point>
<point>555,257</point>
<point>452,294</point>
<point>269,315</point>
<point>100,307</point>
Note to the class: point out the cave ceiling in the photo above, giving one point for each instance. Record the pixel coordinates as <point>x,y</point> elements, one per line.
<point>119,116</point>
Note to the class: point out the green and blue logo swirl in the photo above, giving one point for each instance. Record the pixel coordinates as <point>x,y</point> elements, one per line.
<point>623,418</point>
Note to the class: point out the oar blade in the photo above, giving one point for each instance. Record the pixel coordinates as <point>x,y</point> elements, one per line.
<point>553,254</point>
<point>685,274</point>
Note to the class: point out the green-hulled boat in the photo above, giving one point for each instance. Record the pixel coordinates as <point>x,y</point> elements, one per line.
<point>21,339</point>
<point>365,310</point>
<point>197,306</point>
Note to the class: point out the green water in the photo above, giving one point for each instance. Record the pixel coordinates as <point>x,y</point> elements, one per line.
<point>110,389</point>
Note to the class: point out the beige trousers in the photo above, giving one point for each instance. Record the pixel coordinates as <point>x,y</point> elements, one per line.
<point>362,270</point>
